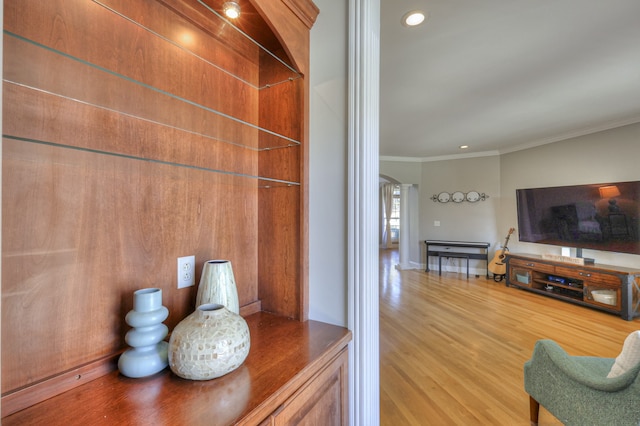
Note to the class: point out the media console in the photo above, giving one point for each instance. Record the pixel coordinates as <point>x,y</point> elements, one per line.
<point>609,288</point>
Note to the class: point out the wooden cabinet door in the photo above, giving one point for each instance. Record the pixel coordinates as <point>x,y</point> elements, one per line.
<point>321,402</point>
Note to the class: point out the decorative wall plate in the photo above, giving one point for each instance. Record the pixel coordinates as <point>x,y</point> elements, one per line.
<point>459,196</point>
<point>473,196</point>
<point>444,197</point>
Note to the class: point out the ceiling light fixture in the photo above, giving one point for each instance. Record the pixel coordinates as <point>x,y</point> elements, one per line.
<point>464,146</point>
<point>413,18</point>
<point>231,9</point>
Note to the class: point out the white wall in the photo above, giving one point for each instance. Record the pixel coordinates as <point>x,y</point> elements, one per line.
<point>463,221</point>
<point>458,221</point>
<point>402,171</point>
<point>328,164</point>
<point>608,156</point>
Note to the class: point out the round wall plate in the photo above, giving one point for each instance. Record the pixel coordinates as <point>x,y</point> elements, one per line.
<point>444,197</point>
<point>457,197</point>
<point>473,196</point>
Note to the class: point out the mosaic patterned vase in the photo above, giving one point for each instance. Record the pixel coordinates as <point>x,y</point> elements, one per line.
<point>218,285</point>
<point>209,343</point>
<point>148,353</point>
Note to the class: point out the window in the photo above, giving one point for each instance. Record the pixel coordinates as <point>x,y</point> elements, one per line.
<point>395,215</point>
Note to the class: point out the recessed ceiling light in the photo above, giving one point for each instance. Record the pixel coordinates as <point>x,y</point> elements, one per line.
<point>464,146</point>
<point>413,18</point>
<point>231,9</point>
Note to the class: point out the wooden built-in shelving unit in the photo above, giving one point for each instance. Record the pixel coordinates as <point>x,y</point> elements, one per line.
<point>135,133</point>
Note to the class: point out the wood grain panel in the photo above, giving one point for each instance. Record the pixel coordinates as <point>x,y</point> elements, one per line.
<point>103,172</point>
<point>322,402</point>
<point>284,356</point>
<point>284,99</point>
<point>278,252</point>
<point>281,163</point>
<point>84,29</point>
<point>306,10</point>
<point>283,253</point>
<point>92,229</point>
<point>581,274</point>
<point>538,266</point>
<point>199,31</point>
<point>48,118</point>
<point>292,33</point>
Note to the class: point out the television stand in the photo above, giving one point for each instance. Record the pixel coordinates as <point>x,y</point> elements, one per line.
<point>613,289</point>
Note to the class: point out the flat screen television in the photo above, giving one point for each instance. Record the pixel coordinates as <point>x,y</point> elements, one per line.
<point>602,216</point>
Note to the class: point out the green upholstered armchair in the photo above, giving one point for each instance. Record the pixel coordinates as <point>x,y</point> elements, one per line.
<point>576,389</point>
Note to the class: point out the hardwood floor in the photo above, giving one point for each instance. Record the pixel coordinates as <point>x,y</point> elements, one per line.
<point>452,348</point>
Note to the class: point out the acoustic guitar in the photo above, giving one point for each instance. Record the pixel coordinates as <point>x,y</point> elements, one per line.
<point>497,266</point>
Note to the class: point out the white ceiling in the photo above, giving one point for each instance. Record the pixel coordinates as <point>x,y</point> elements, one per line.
<point>503,75</point>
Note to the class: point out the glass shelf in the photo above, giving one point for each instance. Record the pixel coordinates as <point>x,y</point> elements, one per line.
<point>226,177</point>
<point>285,70</point>
<point>71,78</point>
<point>184,35</point>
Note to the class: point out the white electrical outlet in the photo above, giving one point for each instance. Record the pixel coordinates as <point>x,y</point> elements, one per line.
<point>186,271</point>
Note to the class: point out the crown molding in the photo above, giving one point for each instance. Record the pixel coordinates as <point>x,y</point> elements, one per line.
<point>519,147</point>
<point>305,10</point>
<point>441,157</point>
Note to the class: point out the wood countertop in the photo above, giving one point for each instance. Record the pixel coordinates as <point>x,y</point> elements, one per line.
<point>284,354</point>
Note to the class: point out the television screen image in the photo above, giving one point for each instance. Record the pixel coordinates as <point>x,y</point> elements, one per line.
<point>594,216</point>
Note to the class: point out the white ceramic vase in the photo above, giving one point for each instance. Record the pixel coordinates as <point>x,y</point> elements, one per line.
<point>218,285</point>
<point>209,343</point>
<point>148,353</point>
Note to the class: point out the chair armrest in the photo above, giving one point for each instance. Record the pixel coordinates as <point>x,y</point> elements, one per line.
<point>588,371</point>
